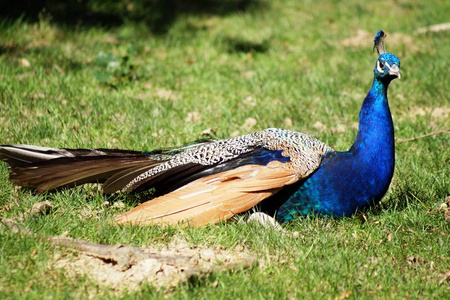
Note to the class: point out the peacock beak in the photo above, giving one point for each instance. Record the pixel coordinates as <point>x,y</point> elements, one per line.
<point>395,71</point>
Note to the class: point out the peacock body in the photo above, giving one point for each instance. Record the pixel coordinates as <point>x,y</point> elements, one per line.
<point>285,173</point>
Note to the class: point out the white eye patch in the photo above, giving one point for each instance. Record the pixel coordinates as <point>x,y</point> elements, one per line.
<point>379,69</point>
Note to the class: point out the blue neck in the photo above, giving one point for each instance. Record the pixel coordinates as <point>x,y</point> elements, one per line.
<point>376,131</point>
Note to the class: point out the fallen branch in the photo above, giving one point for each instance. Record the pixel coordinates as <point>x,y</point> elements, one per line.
<point>122,255</point>
<point>423,136</point>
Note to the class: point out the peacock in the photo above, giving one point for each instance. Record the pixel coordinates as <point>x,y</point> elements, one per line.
<point>281,172</point>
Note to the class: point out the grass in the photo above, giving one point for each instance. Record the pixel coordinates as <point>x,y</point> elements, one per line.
<point>304,66</point>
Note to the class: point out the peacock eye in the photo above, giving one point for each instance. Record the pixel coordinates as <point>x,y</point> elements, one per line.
<point>380,67</point>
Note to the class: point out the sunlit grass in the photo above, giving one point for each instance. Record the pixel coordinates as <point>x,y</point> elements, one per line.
<point>303,66</point>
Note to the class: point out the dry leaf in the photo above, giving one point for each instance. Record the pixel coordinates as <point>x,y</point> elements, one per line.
<point>112,40</point>
<point>287,122</point>
<point>249,74</point>
<point>444,277</point>
<point>209,132</point>
<point>192,117</point>
<point>25,62</point>
<point>389,237</point>
<point>250,101</point>
<point>447,215</point>
<point>319,126</point>
<point>165,94</point>
<point>344,295</point>
<point>249,124</point>
<point>340,128</point>
<point>235,133</point>
<point>190,60</point>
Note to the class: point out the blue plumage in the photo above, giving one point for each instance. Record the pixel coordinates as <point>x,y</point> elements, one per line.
<point>267,156</point>
<point>349,181</point>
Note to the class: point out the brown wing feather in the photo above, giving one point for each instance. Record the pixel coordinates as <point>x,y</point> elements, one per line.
<point>213,198</point>
<point>57,175</point>
<point>119,180</point>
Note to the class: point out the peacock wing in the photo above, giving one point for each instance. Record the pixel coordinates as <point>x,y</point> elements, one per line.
<point>214,198</point>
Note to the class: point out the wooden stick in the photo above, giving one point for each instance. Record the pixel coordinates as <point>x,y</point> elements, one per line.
<point>423,136</point>
<point>123,255</point>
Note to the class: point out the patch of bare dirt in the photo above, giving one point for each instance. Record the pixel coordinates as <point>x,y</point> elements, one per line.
<point>165,94</point>
<point>433,28</point>
<point>358,40</point>
<point>181,263</point>
<point>123,267</point>
<point>437,114</point>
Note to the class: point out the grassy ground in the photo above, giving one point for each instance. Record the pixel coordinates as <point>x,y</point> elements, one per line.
<point>304,66</point>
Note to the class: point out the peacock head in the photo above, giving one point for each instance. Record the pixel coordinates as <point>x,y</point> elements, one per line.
<point>387,67</point>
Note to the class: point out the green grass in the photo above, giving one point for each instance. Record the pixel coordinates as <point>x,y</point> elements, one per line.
<point>283,64</point>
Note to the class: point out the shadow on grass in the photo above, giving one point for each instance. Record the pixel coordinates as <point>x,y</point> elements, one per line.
<point>157,14</point>
<point>236,44</point>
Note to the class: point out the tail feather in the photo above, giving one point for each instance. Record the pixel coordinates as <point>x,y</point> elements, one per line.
<point>21,155</point>
<point>57,174</point>
<point>48,169</point>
